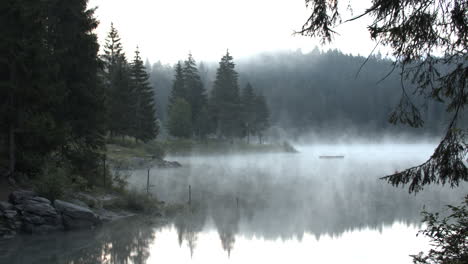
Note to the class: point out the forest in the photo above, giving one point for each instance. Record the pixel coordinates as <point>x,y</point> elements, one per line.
<point>317,92</point>
<point>81,123</point>
<point>86,95</point>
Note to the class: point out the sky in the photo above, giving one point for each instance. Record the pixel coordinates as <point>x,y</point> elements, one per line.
<point>167,30</point>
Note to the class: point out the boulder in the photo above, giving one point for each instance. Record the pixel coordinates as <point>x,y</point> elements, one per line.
<point>78,202</point>
<point>5,206</point>
<point>10,214</point>
<point>39,206</point>
<point>75,216</point>
<point>39,216</point>
<point>18,197</point>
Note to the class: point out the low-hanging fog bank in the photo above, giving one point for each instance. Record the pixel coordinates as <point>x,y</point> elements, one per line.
<point>287,195</point>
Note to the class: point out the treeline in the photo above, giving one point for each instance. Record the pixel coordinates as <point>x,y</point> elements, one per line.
<point>51,97</point>
<point>130,98</point>
<point>227,113</point>
<point>322,92</point>
<point>59,99</point>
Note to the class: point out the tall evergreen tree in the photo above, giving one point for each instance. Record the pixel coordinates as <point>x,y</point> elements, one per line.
<point>262,116</point>
<point>26,97</point>
<point>145,126</point>
<point>73,50</point>
<point>112,49</point>
<point>225,100</point>
<point>116,81</point>
<point>180,119</point>
<point>195,92</point>
<point>122,100</point>
<point>248,100</point>
<point>178,86</point>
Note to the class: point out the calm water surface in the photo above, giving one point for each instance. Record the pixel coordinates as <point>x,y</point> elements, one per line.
<point>264,208</point>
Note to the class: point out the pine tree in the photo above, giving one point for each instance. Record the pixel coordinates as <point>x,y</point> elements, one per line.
<point>225,101</point>
<point>262,117</point>
<point>178,86</point>
<point>195,92</point>
<point>116,80</point>
<point>73,51</point>
<point>112,49</point>
<point>180,119</point>
<point>122,100</point>
<point>144,126</point>
<point>26,92</point>
<point>248,100</point>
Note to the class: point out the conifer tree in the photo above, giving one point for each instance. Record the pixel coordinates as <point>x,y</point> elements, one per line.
<point>262,117</point>
<point>112,49</point>
<point>73,52</point>
<point>122,100</point>
<point>25,93</point>
<point>180,119</point>
<point>116,80</point>
<point>248,100</point>
<point>195,92</point>
<point>178,86</point>
<point>225,100</point>
<point>144,126</point>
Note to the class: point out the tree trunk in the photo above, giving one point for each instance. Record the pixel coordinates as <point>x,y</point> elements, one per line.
<point>11,125</point>
<point>12,151</point>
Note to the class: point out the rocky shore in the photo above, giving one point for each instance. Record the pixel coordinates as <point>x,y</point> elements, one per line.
<point>26,212</point>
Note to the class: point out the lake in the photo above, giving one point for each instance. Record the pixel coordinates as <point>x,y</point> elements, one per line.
<point>264,208</point>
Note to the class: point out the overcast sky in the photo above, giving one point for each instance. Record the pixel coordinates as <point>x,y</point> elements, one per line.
<point>167,30</point>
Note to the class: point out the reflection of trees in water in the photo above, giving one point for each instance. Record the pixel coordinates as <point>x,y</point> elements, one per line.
<point>188,224</point>
<point>272,203</point>
<point>280,202</point>
<point>124,242</point>
<point>226,216</point>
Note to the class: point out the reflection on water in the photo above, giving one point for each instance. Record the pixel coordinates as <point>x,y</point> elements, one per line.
<point>295,206</point>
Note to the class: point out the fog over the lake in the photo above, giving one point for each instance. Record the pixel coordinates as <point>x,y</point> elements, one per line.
<point>250,199</point>
<point>233,131</point>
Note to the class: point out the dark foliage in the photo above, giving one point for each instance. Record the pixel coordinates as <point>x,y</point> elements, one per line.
<point>416,30</point>
<point>144,126</point>
<point>448,235</point>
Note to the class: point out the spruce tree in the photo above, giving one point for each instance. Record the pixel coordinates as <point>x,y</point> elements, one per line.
<point>180,119</point>
<point>27,93</point>
<point>122,100</point>
<point>144,126</point>
<point>195,92</point>
<point>225,100</point>
<point>112,49</point>
<point>262,117</point>
<point>178,86</point>
<point>248,100</point>
<point>73,51</point>
<point>116,81</point>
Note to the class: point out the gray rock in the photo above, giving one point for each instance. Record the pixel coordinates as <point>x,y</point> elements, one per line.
<point>75,216</point>
<point>39,200</point>
<point>34,219</point>
<point>5,206</point>
<point>39,216</point>
<point>80,203</point>
<point>41,207</point>
<point>10,214</point>
<point>18,197</point>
